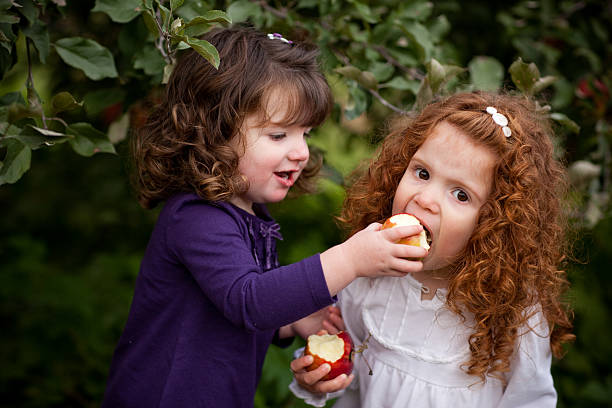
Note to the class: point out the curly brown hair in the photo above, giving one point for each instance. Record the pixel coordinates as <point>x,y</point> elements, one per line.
<point>509,269</point>
<point>184,144</point>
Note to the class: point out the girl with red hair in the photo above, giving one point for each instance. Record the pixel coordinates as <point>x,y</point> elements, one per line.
<point>479,324</point>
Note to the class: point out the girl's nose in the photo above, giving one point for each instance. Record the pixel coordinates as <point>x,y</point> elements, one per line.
<point>299,151</point>
<point>428,200</point>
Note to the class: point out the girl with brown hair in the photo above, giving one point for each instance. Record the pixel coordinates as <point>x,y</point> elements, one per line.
<point>210,296</point>
<point>477,326</point>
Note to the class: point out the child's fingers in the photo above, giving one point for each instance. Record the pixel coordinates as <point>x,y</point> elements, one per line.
<point>300,364</point>
<point>397,233</point>
<point>331,327</point>
<point>408,252</point>
<point>334,310</point>
<point>336,384</point>
<point>312,377</point>
<point>333,322</point>
<point>375,226</point>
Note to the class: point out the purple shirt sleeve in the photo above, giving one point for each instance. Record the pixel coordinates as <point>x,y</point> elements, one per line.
<point>213,246</point>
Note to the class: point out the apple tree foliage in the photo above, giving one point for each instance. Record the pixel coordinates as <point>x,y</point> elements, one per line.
<point>79,76</point>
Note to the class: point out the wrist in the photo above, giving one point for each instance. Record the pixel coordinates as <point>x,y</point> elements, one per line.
<point>286,331</point>
<point>338,269</point>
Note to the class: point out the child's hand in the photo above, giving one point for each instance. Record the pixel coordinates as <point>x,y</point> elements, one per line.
<point>311,380</point>
<point>328,318</point>
<point>333,322</point>
<point>372,253</point>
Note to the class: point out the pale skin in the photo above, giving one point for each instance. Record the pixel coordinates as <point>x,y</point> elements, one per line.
<point>445,184</point>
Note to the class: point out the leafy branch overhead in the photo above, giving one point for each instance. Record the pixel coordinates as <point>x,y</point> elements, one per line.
<point>36,123</point>
<point>381,58</point>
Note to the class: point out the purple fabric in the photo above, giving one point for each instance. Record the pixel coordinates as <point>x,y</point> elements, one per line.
<point>208,302</point>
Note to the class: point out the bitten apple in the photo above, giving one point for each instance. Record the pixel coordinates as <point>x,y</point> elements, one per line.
<point>333,349</point>
<point>404,219</point>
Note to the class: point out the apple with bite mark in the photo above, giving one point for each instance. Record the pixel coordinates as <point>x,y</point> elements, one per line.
<point>404,219</point>
<point>333,349</point>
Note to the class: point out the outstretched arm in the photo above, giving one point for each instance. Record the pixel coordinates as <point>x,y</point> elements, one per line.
<point>371,252</point>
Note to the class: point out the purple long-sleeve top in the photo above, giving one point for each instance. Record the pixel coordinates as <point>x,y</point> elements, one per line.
<point>209,299</point>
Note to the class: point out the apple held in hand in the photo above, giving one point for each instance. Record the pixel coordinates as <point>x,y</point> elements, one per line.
<point>333,349</point>
<point>403,219</point>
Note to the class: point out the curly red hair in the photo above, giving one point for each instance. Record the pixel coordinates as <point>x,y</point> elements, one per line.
<point>509,269</point>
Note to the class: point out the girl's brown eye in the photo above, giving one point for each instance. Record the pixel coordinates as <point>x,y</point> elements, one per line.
<point>422,174</point>
<point>461,195</point>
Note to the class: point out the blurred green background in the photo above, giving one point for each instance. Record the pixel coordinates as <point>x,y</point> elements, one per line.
<point>72,234</point>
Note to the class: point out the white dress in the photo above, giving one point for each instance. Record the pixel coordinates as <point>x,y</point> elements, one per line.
<point>416,349</point>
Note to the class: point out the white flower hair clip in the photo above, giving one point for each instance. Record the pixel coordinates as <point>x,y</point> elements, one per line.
<point>277,36</point>
<point>500,119</point>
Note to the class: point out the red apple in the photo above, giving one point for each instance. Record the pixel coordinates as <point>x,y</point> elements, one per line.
<point>404,219</point>
<point>333,349</point>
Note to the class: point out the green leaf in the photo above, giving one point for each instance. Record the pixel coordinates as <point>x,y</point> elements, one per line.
<point>167,72</point>
<point>364,12</point>
<point>149,20</point>
<point>47,132</point>
<point>39,35</point>
<point>7,4</point>
<point>120,11</point>
<point>205,49</point>
<point>217,16</point>
<point>147,4</point>
<point>165,14</point>
<point>543,82</point>
<point>150,60</point>
<point>524,75</point>
<point>8,18</point>
<point>16,162</point>
<point>382,71</point>
<point>402,84</point>
<point>17,111</point>
<point>29,10</point>
<point>566,122</point>
<point>363,78</point>
<point>486,73</point>
<point>424,95</point>
<point>177,26</point>
<point>192,9</point>
<point>212,16</point>
<point>63,101</point>
<point>240,11</point>
<point>87,140</point>
<point>421,38</point>
<point>358,102</point>
<point>435,74</point>
<point>174,4</point>
<point>95,60</point>
<point>35,137</point>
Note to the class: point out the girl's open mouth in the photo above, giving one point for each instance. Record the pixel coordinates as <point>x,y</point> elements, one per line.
<point>427,235</point>
<point>287,178</point>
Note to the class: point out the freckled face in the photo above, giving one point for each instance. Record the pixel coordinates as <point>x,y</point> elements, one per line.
<point>274,155</point>
<point>446,183</point>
